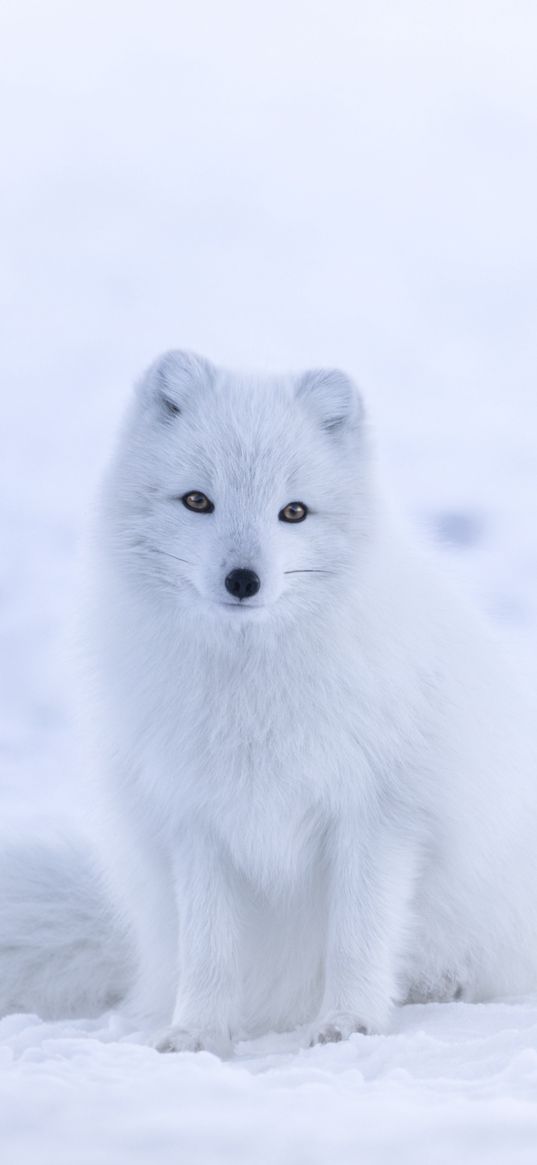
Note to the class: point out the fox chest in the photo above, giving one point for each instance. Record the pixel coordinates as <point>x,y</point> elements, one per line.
<point>266,787</point>
<point>265,764</point>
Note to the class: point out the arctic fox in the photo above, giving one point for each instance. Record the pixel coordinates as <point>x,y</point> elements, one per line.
<point>318,778</point>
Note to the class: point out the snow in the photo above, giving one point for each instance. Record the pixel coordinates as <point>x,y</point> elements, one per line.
<point>453,1082</point>
<point>277,186</point>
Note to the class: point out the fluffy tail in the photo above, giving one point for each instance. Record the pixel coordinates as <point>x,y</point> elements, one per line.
<point>62,952</point>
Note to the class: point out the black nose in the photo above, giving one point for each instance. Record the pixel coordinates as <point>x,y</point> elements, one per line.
<point>242,583</point>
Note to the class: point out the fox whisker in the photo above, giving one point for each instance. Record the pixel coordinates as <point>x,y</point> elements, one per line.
<point>157,550</point>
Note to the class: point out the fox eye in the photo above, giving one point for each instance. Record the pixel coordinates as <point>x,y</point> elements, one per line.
<point>197,502</point>
<point>293,512</point>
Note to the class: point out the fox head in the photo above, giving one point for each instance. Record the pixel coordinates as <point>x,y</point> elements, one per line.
<point>241,496</point>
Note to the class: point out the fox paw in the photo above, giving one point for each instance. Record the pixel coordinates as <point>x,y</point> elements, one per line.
<point>179,1039</point>
<point>337,1027</point>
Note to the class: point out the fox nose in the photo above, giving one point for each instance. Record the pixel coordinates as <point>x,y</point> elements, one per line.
<point>242,584</point>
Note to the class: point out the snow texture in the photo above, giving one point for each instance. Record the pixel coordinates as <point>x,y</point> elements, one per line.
<point>276,186</point>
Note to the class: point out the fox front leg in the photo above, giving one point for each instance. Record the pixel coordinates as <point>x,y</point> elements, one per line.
<point>371,882</point>
<point>205,1000</point>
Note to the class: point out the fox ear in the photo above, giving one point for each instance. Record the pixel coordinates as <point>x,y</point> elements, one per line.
<point>334,398</point>
<point>174,376</point>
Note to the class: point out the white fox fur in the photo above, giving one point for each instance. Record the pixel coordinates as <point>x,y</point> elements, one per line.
<point>62,951</point>
<point>321,800</point>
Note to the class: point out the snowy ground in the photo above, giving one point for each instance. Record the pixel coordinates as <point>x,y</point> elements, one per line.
<point>275,185</point>
<point>452,1084</point>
